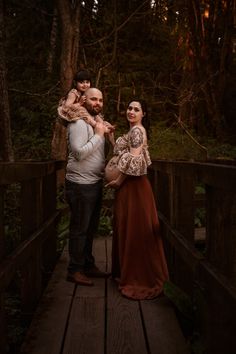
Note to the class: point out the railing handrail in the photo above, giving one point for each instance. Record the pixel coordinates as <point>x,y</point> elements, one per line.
<point>15,172</point>
<point>36,252</point>
<point>208,277</point>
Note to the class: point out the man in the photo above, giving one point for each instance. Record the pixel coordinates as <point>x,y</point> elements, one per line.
<point>83,186</point>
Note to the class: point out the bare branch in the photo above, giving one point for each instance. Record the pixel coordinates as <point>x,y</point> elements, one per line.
<point>34,93</point>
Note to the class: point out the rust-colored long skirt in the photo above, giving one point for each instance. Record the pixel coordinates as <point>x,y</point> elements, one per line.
<point>138,259</point>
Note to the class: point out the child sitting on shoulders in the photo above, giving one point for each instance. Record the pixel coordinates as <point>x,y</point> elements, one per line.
<point>71,108</point>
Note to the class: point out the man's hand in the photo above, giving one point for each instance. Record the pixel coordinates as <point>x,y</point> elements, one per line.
<point>100,129</point>
<point>109,127</point>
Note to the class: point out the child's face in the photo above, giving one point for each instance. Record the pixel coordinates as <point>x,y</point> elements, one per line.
<point>82,86</point>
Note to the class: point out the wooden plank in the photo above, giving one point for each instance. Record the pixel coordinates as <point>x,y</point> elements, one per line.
<point>124,324</point>
<point>98,290</point>
<point>163,332</point>
<point>58,284</point>
<point>99,252</point>
<point>46,332</point>
<point>108,253</point>
<point>86,330</point>
<point>72,319</point>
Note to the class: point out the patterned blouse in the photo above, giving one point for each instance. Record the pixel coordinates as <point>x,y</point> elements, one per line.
<point>128,163</point>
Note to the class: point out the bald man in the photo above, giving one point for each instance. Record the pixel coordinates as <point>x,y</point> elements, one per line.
<point>84,173</point>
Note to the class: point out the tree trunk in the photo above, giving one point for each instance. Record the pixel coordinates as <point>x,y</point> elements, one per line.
<point>69,13</point>
<point>6,149</point>
<point>53,39</point>
<point>210,35</point>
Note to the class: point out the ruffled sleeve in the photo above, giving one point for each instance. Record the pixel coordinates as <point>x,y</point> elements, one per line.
<point>134,165</point>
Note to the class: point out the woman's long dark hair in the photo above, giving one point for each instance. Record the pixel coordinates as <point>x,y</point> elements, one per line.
<point>145,120</point>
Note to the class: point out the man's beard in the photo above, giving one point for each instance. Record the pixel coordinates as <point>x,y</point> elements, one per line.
<point>93,111</point>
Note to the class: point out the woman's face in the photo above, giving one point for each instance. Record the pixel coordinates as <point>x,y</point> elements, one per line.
<point>82,86</point>
<point>134,113</point>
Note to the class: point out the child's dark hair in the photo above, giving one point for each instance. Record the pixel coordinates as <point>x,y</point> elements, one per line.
<point>82,75</point>
<point>145,120</point>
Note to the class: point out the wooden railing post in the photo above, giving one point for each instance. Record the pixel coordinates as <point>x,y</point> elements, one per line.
<point>36,250</point>
<point>49,247</point>
<point>182,220</point>
<point>31,206</point>
<point>221,230</point>
<point>183,201</point>
<point>32,217</point>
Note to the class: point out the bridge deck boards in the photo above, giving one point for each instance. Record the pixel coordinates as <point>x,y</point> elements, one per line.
<point>98,320</point>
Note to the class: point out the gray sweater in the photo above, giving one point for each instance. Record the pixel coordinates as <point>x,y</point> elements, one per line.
<point>86,160</point>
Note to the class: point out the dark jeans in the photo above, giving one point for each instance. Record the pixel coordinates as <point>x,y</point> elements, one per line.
<point>85,204</point>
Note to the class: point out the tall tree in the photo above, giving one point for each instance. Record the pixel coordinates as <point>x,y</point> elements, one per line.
<point>6,149</point>
<point>208,42</point>
<point>53,41</point>
<point>69,12</point>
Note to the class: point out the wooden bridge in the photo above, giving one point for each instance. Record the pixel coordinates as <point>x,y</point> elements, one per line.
<point>75,319</point>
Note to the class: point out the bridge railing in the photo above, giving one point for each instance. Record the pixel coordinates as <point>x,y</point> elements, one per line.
<point>34,255</point>
<point>206,274</point>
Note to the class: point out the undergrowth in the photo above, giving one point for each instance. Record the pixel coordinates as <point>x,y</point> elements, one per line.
<point>174,143</point>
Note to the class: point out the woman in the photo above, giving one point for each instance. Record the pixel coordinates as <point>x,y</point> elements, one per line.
<point>138,260</point>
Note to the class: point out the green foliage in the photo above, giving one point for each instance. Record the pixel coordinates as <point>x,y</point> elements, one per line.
<point>172,142</point>
<point>105,224</point>
<point>146,63</point>
<point>62,232</point>
<point>200,217</point>
<point>222,151</point>
<point>63,225</point>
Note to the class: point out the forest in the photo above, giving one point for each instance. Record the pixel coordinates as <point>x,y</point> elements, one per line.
<point>179,55</point>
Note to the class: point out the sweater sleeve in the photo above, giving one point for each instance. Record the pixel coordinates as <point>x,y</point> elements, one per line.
<point>81,142</point>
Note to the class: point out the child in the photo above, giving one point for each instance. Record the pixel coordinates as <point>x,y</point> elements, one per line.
<point>70,107</point>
